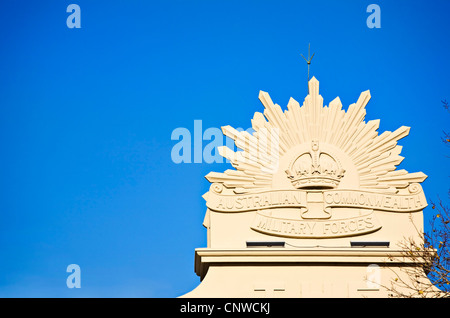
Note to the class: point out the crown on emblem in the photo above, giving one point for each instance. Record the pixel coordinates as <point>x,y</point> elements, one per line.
<point>315,169</point>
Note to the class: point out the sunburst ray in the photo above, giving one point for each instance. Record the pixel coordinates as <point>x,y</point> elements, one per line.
<point>375,156</point>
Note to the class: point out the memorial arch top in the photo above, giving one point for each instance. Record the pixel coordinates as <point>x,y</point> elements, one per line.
<point>313,175</point>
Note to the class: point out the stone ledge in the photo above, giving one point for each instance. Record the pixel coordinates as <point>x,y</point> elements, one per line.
<point>204,257</point>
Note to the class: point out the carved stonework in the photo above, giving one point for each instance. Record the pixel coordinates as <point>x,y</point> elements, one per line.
<point>315,169</point>
<point>327,164</point>
<point>316,180</point>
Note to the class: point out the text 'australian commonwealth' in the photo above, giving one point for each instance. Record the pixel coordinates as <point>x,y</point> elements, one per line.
<point>330,198</point>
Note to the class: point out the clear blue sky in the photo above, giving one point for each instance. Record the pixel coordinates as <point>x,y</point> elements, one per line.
<point>86,117</point>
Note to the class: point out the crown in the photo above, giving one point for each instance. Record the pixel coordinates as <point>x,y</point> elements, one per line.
<point>315,169</point>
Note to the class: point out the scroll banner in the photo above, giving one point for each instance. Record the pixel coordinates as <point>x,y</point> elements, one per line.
<point>310,227</point>
<point>315,228</point>
<point>415,201</point>
<point>256,201</point>
<point>376,201</point>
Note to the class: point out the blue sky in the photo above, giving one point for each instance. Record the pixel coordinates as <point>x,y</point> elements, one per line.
<point>86,117</point>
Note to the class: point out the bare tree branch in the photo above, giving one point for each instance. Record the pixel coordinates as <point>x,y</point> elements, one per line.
<point>431,254</point>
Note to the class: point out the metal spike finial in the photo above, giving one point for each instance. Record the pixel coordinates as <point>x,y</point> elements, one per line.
<point>308,61</point>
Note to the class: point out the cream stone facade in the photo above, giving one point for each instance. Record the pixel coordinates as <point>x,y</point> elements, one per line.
<point>314,208</point>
